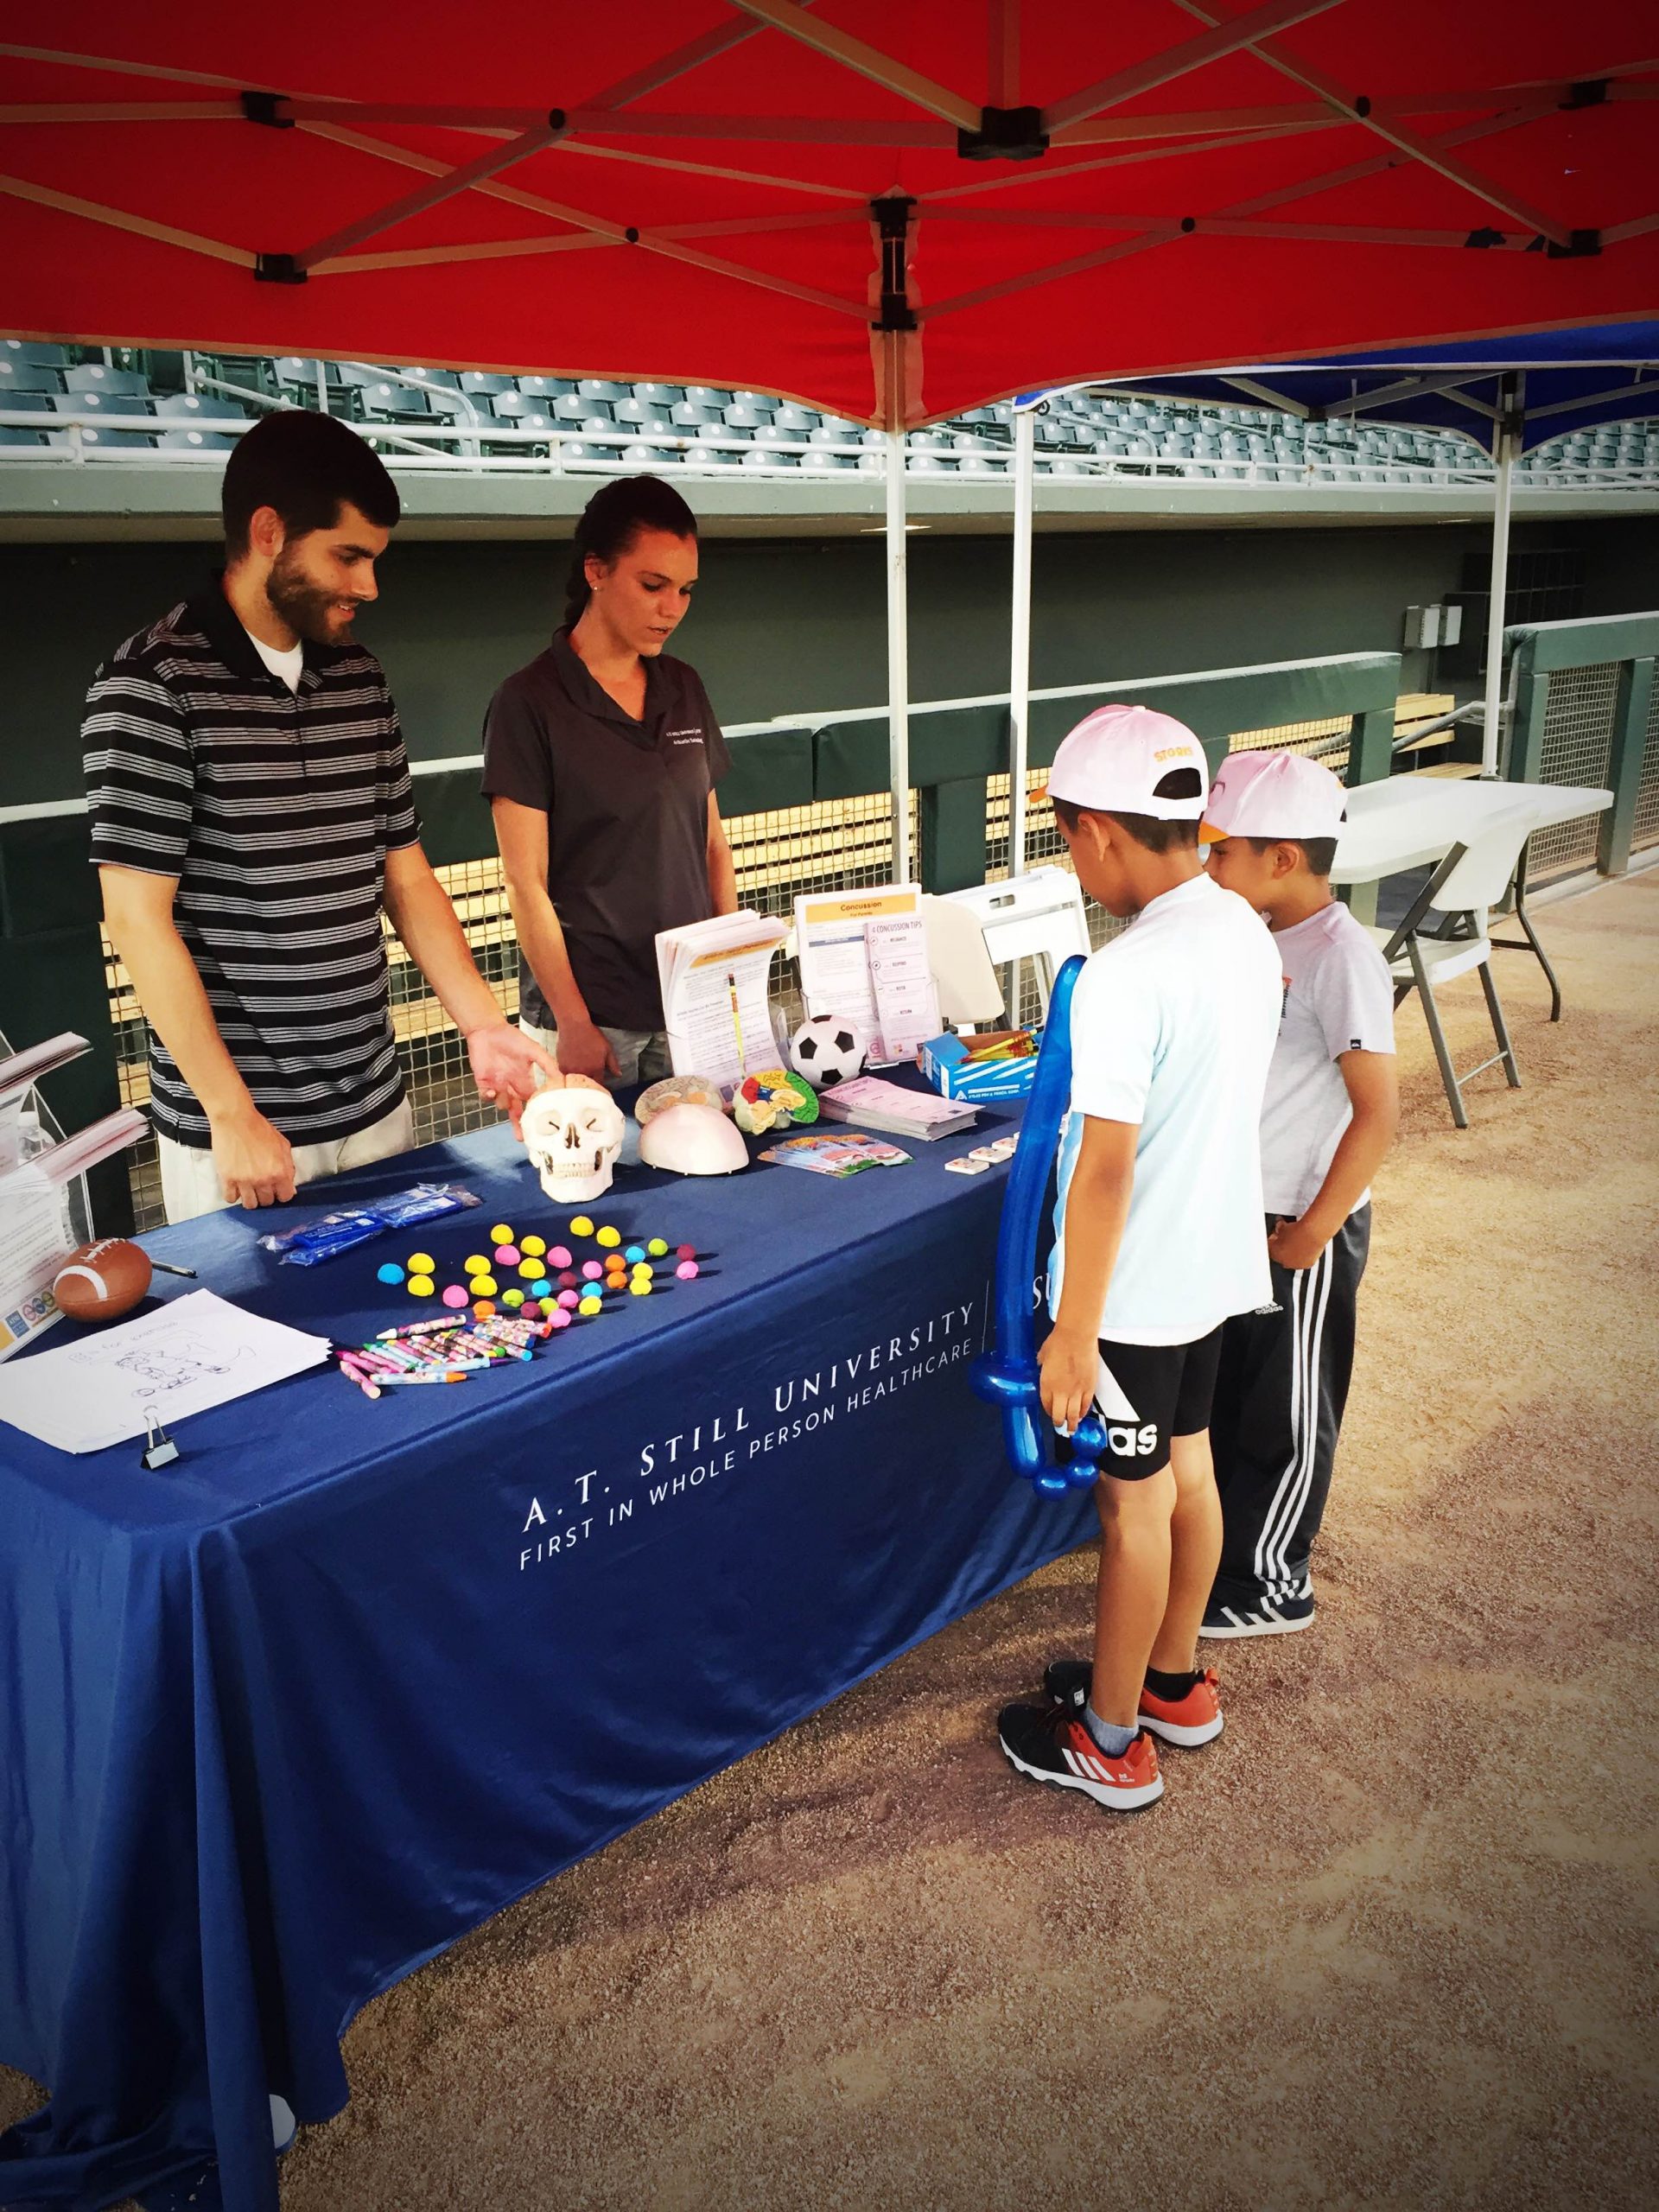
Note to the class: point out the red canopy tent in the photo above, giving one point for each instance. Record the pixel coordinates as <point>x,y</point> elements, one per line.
<point>1022,196</point>
<point>894,209</point>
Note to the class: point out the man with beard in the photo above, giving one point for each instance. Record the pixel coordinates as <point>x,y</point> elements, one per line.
<point>252,816</point>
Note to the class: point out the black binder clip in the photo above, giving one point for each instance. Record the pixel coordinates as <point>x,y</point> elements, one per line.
<point>160,1450</point>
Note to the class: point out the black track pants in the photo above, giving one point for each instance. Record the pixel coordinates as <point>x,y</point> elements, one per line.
<point>1279,1394</point>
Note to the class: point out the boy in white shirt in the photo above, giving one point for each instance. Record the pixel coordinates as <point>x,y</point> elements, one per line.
<point>1327,1120</point>
<point>1173,1026</point>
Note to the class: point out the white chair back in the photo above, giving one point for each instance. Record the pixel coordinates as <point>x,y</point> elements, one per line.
<point>1038,916</point>
<point>963,974</point>
<point>1481,878</point>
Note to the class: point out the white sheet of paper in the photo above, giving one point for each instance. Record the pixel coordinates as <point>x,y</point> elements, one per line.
<point>838,956</point>
<point>194,1352</point>
<point>907,1004</point>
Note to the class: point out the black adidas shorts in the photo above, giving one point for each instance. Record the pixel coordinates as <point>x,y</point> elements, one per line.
<point>1148,1392</point>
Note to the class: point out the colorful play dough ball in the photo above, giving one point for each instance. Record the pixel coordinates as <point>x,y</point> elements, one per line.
<point>514,1297</point>
<point>390,1273</point>
<point>529,1269</point>
<point>535,1245</point>
<point>608,1237</point>
<point>540,1287</point>
<point>559,1257</point>
<point>634,1252</point>
<point>685,1251</point>
<point>558,1318</point>
<point>483,1310</point>
<point>687,1271</point>
<point>454,1295</point>
<point>643,1272</point>
<point>582,1226</point>
<point>567,1299</point>
<point>640,1286</point>
<point>482,1285</point>
<point>476,1265</point>
<point>590,1306</point>
<point>507,1254</point>
<point>592,1270</point>
<point>568,1279</point>
<point>658,1248</point>
<point>501,1234</point>
<point>421,1264</point>
<point>420,1285</point>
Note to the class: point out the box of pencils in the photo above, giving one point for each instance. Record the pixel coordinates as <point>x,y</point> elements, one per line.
<point>994,1064</point>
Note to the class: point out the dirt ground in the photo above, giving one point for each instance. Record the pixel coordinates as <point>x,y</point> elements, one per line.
<point>1389,1942</point>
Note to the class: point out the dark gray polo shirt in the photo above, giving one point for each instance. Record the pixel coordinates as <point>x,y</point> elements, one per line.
<point>627,809</point>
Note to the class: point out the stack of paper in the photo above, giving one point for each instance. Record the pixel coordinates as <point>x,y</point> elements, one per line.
<point>863,957</point>
<point>193,1353</point>
<point>879,1105</point>
<point>715,1004</point>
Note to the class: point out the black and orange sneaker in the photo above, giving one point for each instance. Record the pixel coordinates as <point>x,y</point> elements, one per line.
<point>1047,1743</point>
<point>1194,1718</point>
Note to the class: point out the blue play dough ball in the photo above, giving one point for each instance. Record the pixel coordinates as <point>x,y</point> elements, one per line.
<point>542,1289</point>
<point>634,1252</point>
<point>390,1273</point>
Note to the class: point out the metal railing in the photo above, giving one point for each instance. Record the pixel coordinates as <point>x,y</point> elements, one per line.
<point>459,447</point>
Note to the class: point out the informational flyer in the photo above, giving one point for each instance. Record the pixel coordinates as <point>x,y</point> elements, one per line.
<point>715,1004</point>
<point>863,957</point>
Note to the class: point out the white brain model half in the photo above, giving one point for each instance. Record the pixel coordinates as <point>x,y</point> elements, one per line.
<point>573,1134</point>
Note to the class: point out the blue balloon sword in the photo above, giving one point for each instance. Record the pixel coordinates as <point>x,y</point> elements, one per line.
<point>1008,1376</point>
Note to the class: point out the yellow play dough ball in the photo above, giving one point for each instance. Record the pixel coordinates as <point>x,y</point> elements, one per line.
<point>482,1285</point>
<point>640,1286</point>
<point>501,1234</point>
<point>420,1285</point>
<point>477,1265</point>
<point>582,1226</point>
<point>608,1237</point>
<point>532,1247</point>
<point>590,1306</point>
<point>421,1264</point>
<point>532,1270</point>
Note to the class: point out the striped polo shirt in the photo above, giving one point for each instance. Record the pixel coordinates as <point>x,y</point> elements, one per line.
<point>276,810</point>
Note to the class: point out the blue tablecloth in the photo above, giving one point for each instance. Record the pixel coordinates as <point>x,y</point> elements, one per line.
<point>285,1719</point>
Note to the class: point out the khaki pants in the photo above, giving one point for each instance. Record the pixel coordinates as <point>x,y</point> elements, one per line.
<point>641,1054</point>
<point>190,1184</point>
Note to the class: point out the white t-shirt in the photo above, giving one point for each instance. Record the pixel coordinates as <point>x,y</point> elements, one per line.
<point>1173,1026</point>
<point>286,666</point>
<point>1338,999</point>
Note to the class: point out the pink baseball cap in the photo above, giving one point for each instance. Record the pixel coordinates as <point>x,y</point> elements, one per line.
<point>1116,758</point>
<point>1271,795</point>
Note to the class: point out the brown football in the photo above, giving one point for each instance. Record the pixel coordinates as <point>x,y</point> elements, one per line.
<point>101,1281</point>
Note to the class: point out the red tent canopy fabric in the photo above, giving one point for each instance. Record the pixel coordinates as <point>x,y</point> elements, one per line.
<point>894,209</point>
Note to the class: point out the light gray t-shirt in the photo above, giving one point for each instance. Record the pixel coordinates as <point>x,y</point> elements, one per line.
<point>1338,999</point>
<point>1172,1025</point>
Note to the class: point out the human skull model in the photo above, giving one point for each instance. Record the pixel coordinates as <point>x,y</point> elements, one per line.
<point>573,1135</point>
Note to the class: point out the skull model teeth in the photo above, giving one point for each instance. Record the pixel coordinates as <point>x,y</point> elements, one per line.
<point>573,1137</point>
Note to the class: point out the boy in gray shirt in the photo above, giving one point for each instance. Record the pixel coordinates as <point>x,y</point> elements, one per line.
<point>1327,1120</point>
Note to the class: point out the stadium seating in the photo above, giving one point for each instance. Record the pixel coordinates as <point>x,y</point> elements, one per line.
<point>598,422</point>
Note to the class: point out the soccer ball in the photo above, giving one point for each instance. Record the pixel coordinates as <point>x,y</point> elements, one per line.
<point>827,1050</point>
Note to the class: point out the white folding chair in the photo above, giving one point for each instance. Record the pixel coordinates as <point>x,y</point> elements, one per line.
<point>1037,917</point>
<point>1477,880</point>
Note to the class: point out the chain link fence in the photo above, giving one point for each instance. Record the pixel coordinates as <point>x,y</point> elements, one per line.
<point>1576,746</point>
<point>1646,831</point>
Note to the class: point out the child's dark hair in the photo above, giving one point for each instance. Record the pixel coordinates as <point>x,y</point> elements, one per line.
<point>1148,829</point>
<point>611,521</point>
<point>306,466</point>
<point>1319,853</point>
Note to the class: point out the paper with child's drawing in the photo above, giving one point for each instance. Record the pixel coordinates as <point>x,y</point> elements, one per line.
<point>194,1352</point>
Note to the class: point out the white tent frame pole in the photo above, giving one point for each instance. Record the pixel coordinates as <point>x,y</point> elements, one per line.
<point>1024,471</point>
<point>1503,445</point>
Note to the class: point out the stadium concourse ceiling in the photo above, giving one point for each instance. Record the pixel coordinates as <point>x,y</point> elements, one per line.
<point>891,209</point>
